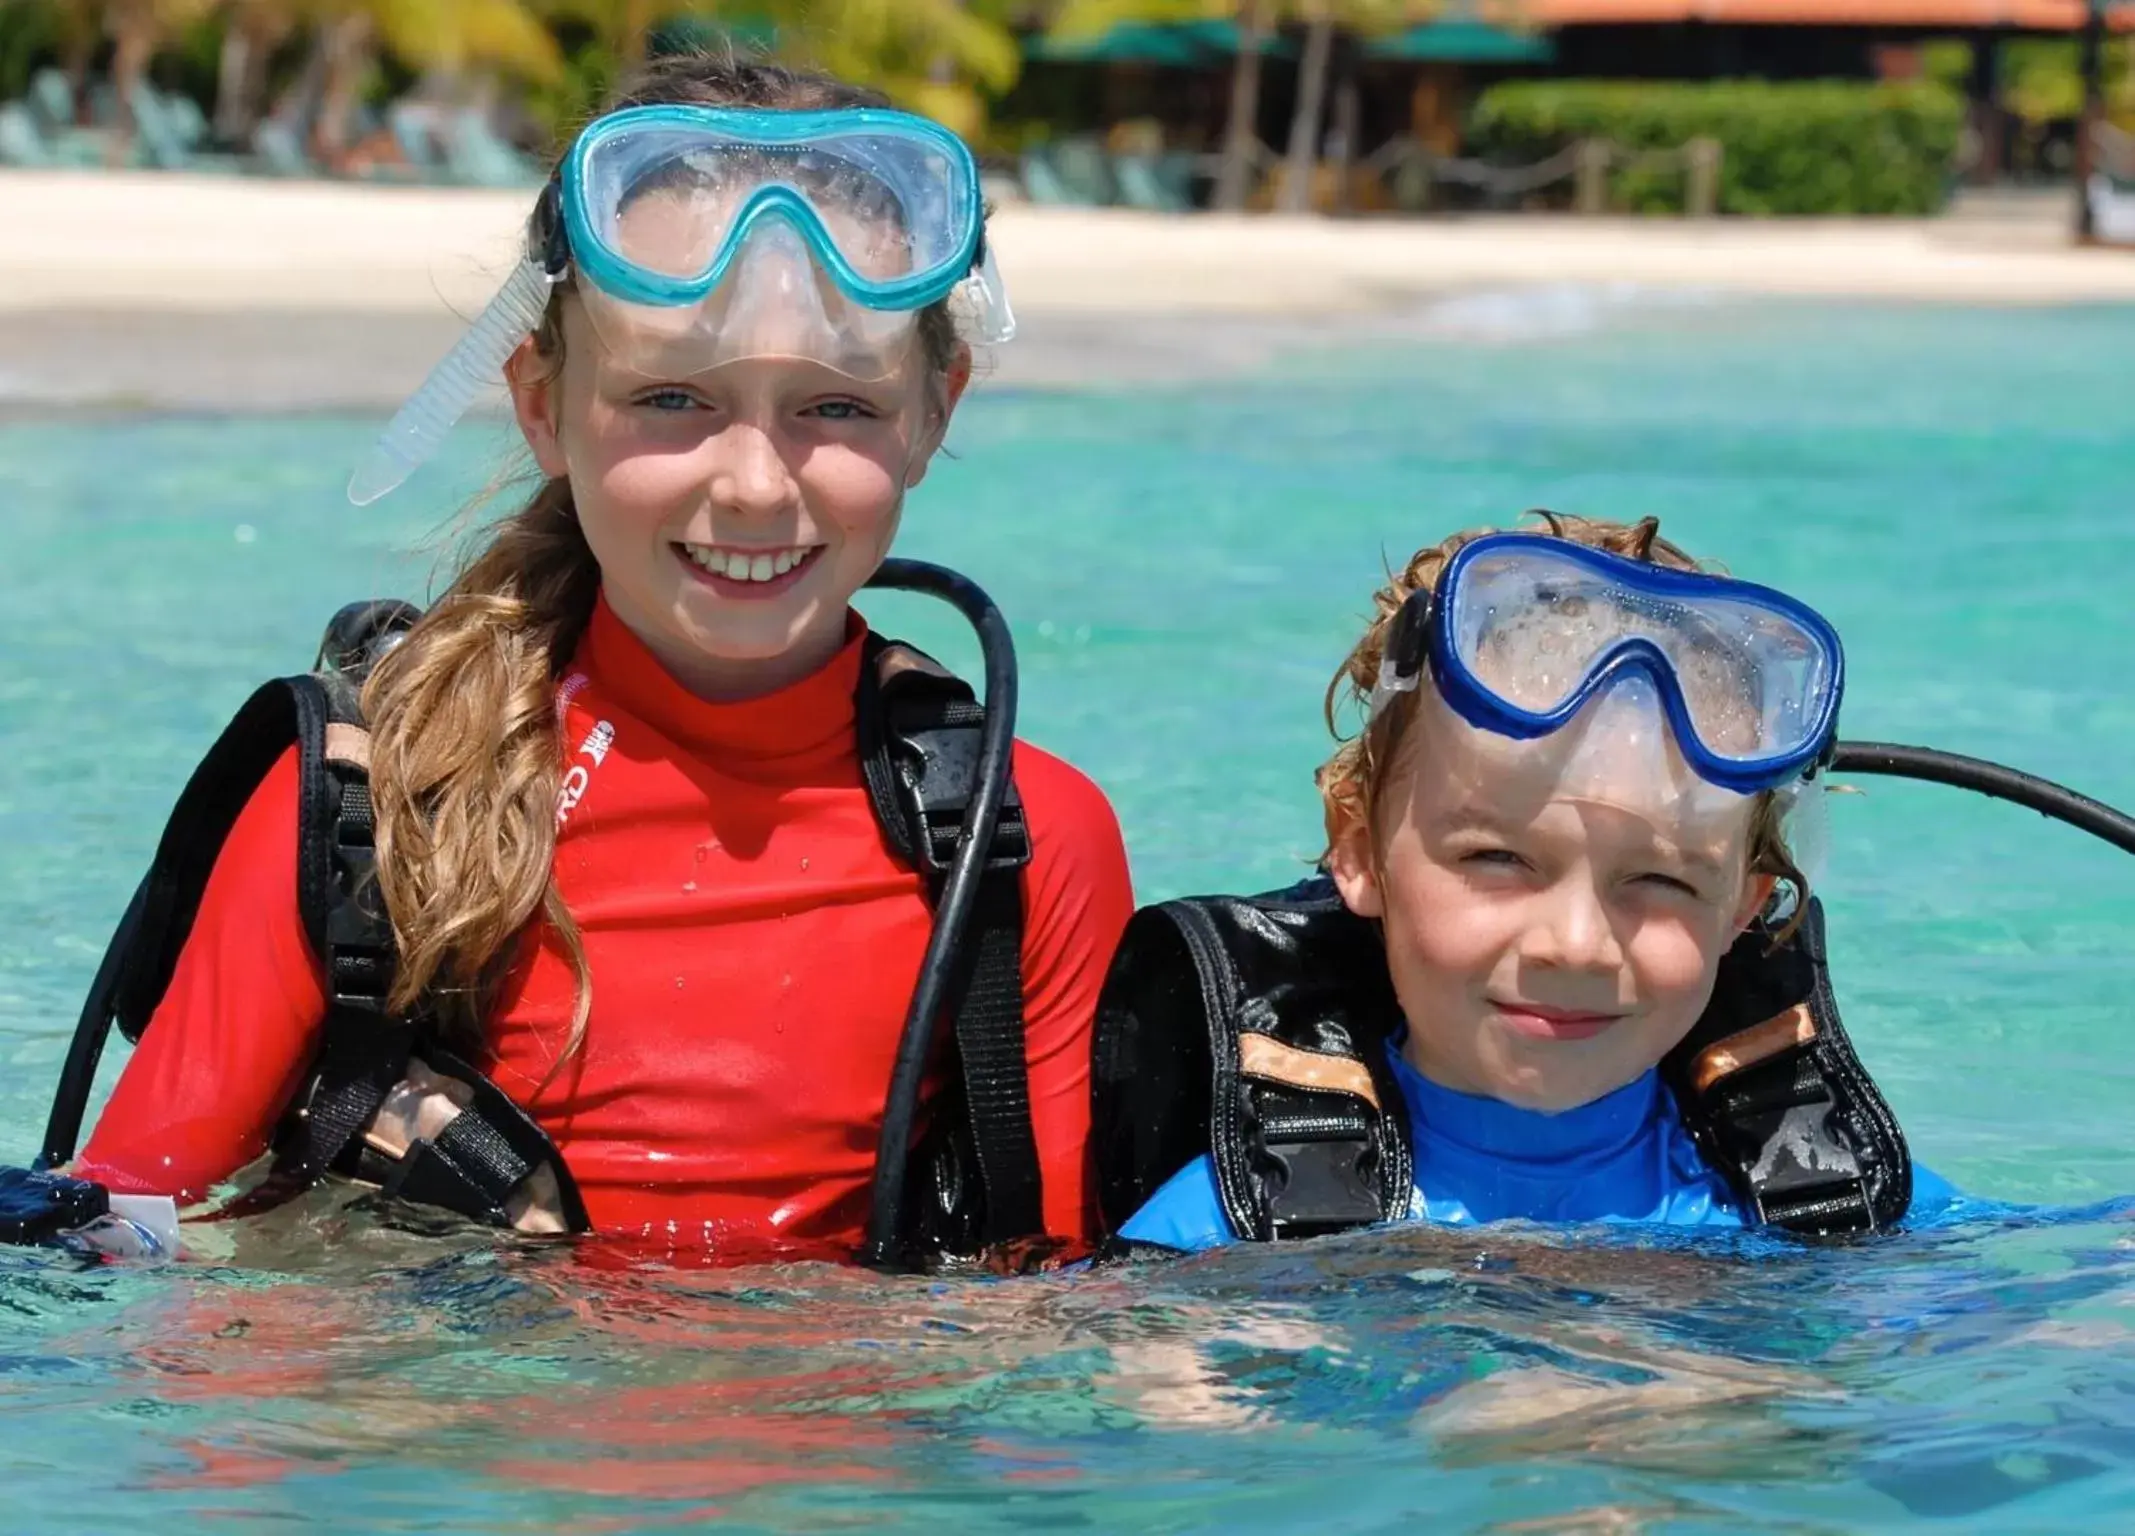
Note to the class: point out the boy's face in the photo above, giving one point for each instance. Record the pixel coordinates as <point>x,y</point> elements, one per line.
<point>1547,947</point>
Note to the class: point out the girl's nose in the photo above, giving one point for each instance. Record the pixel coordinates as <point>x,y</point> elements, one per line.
<point>749,475</point>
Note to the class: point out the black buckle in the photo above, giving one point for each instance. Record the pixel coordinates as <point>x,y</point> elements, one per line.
<point>1324,1185</point>
<point>1840,1208</point>
<point>937,770</point>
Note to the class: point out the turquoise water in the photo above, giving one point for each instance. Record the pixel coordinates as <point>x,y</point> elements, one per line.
<point>1184,567</point>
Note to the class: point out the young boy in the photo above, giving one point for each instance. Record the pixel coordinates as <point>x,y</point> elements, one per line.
<point>1550,980</point>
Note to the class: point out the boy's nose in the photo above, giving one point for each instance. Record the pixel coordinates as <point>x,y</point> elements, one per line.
<point>1573,932</point>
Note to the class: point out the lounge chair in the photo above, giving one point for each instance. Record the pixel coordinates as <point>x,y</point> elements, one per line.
<point>52,98</point>
<point>1158,183</point>
<point>21,141</point>
<point>1083,165</point>
<point>51,104</point>
<point>412,135</point>
<point>1071,173</point>
<point>476,157</point>
<point>277,151</point>
<point>1041,183</point>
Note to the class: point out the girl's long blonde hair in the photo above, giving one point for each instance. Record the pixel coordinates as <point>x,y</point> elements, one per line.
<point>466,752</point>
<point>1352,782</point>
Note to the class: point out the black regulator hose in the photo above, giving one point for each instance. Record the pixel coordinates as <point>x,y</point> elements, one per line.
<point>952,912</point>
<point>1985,778</point>
<point>70,1101</point>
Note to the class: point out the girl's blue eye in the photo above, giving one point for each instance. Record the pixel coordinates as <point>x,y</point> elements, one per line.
<point>669,400</point>
<point>841,410</point>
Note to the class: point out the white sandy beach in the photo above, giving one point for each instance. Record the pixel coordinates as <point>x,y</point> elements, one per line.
<point>246,279</point>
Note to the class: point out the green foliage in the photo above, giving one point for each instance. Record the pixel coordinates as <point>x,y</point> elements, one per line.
<point>1819,147</point>
<point>29,35</point>
<point>2041,81</point>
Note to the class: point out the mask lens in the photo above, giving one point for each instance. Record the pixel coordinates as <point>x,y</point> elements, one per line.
<point>668,200</point>
<point>1533,627</point>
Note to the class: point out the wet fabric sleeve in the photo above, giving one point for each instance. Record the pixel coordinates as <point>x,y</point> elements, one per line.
<point>1076,902</point>
<point>1186,1213</point>
<point>227,1049</point>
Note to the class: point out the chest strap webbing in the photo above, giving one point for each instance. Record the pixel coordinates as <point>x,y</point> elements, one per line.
<point>919,731</point>
<point>480,1157</point>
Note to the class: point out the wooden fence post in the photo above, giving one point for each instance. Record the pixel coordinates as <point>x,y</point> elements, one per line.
<point>1701,197</point>
<point>1593,176</point>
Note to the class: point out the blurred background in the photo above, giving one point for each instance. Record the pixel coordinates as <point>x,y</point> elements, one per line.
<point>1359,107</point>
<point>1843,291</point>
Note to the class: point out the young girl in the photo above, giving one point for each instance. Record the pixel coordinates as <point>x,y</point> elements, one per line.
<point>1561,829</point>
<point>633,866</point>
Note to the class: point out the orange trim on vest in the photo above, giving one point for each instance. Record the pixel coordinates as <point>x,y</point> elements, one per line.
<point>1268,1059</point>
<point>1760,1042</point>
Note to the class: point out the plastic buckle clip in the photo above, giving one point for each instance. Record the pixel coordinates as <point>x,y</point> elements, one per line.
<point>1323,1185</point>
<point>938,772</point>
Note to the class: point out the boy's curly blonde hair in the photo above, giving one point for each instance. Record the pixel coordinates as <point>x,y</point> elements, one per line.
<point>1353,780</point>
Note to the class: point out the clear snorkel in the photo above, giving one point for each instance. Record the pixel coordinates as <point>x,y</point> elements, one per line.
<point>419,428</point>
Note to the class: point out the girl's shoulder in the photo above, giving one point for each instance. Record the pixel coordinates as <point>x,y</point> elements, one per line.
<point>1060,798</point>
<point>1078,861</point>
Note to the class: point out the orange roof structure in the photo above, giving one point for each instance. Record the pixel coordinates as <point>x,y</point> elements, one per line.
<point>1951,15</point>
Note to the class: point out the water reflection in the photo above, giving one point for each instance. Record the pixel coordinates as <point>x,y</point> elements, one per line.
<point>1599,1384</point>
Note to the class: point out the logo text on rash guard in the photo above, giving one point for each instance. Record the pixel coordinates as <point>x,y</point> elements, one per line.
<point>595,747</point>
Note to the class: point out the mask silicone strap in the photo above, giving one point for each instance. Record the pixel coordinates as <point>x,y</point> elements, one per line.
<point>1401,664</point>
<point>419,428</point>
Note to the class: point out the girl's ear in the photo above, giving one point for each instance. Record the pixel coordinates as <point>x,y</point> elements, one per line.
<point>953,386</point>
<point>1351,861</point>
<point>536,387</point>
<point>1756,892</point>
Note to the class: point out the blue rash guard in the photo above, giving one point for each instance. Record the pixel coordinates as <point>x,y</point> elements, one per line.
<point>1624,1157</point>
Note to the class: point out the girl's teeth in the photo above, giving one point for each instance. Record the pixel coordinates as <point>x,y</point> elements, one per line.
<point>736,566</point>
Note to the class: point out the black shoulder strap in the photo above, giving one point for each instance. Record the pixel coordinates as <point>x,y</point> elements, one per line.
<point>919,730</point>
<point>1771,1090</point>
<point>1253,1029</point>
<point>363,1048</point>
<point>290,711</point>
<point>363,1051</point>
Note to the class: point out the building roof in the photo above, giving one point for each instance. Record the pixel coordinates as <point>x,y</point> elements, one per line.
<point>1950,15</point>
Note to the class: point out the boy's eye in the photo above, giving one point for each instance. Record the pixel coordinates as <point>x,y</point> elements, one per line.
<point>1493,858</point>
<point>842,410</point>
<point>1670,883</point>
<point>669,399</point>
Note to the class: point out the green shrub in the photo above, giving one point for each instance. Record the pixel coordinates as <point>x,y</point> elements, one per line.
<point>1815,147</point>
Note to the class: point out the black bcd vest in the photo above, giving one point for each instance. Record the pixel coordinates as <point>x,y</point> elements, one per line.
<point>1255,1029</point>
<point>974,1181</point>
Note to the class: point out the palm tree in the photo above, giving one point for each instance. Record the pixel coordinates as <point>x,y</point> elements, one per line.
<point>1257,22</point>
<point>1241,130</point>
<point>1322,19</point>
<point>939,57</point>
<point>252,30</point>
<point>138,30</point>
<point>437,38</point>
<point>624,28</point>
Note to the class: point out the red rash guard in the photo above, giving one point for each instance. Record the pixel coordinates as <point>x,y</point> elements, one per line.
<point>753,947</point>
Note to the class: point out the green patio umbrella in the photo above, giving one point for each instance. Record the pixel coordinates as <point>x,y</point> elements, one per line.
<point>693,32</point>
<point>1167,45</point>
<point>1462,40</point>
